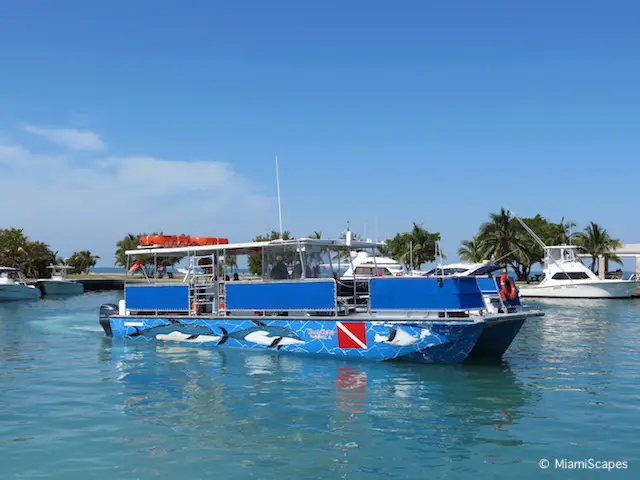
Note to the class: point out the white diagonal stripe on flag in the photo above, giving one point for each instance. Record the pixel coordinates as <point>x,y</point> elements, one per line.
<point>350,334</point>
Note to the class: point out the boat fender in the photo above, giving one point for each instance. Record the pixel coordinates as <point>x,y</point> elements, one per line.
<point>508,289</point>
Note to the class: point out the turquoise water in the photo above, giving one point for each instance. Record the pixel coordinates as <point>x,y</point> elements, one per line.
<point>75,405</point>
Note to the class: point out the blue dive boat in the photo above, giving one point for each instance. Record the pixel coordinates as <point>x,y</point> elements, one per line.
<point>295,307</point>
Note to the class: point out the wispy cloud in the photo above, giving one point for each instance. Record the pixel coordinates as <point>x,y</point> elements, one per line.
<point>68,137</point>
<point>76,205</point>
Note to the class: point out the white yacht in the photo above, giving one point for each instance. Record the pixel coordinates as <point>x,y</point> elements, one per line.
<point>59,283</point>
<point>367,265</point>
<point>566,276</point>
<point>463,269</point>
<point>14,287</point>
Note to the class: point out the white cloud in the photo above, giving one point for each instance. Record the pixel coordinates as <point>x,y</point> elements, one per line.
<point>74,205</point>
<point>68,137</point>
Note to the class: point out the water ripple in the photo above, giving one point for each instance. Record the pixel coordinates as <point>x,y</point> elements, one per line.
<point>78,405</point>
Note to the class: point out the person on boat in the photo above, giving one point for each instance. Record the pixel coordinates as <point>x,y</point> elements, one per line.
<point>236,277</point>
<point>207,265</point>
<point>279,270</point>
<point>297,270</point>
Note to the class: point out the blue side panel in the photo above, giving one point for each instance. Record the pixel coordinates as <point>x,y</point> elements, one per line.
<point>420,293</point>
<point>157,297</point>
<point>515,302</point>
<point>487,285</point>
<point>282,296</point>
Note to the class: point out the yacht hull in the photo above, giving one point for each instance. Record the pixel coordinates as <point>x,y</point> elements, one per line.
<point>419,342</point>
<point>497,337</point>
<point>13,292</point>
<point>582,289</point>
<point>60,287</point>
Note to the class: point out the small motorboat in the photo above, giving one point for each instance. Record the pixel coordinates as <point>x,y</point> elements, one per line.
<point>59,283</point>
<point>13,286</point>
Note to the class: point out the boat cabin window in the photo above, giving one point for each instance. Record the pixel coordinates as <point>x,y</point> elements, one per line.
<point>278,262</point>
<point>296,262</point>
<point>373,272</point>
<point>570,276</point>
<point>365,271</point>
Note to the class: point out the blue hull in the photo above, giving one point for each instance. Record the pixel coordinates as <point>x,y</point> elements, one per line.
<point>496,339</point>
<point>420,342</point>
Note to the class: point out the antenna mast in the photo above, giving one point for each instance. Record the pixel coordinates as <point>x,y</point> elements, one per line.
<point>570,234</point>
<point>279,203</point>
<point>411,254</point>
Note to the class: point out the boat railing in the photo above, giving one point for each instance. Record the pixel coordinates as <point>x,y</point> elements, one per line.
<point>454,296</point>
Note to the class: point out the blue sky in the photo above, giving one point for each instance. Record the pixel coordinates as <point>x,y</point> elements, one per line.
<point>119,116</point>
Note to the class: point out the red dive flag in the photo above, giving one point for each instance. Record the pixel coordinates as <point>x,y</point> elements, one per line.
<point>352,334</point>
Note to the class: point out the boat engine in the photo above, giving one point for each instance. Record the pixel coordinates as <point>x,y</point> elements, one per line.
<point>107,310</point>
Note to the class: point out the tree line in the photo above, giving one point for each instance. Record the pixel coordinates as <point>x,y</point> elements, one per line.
<point>502,239</point>
<point>33,257</point>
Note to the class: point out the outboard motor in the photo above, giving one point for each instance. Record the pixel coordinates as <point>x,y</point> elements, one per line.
<point>107,310</point>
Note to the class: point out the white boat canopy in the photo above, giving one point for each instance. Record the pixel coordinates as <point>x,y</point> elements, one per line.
<point>251,247</point>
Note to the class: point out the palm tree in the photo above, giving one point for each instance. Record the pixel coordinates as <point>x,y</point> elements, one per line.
<point>501,238</point>
<point>471,250</point>
<point>418,245</point>
<point>231,261</point>
<point>82,261</point>
<point>129,242</point>
<point>59,258</point>
<point>316,235</point>
<point>566,232</point>
<point>597,242</point>
<point>423,245</point>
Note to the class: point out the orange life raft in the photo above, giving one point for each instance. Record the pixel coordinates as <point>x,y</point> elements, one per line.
<point>180,241</point>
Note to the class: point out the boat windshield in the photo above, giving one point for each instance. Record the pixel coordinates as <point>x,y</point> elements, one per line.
<point>9,276</point>
<point>446,271</point>
<point>562,254</point>
<point>303,261</point>
<point>59,271</point>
